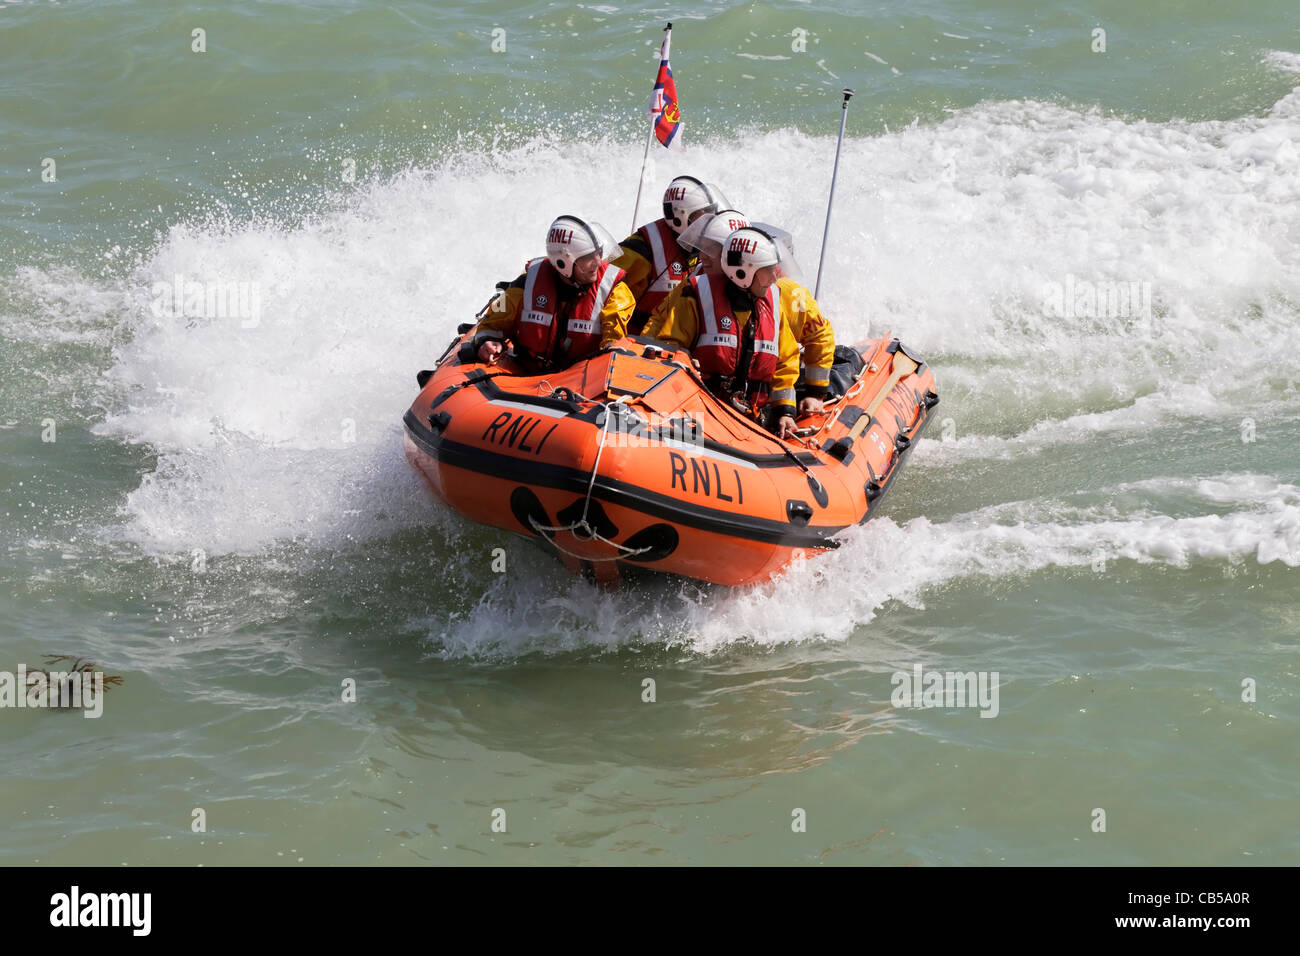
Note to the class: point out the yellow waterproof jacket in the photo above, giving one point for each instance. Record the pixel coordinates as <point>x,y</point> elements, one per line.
<point>501,320</point>
<point>811,330</point>
<point>677,322</point>
<point>637,260</point>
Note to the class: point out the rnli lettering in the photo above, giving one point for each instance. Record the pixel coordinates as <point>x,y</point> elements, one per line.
<point>517,428</point>
<point>559,236</point>
<point>513,430</point>
<point>675,194</point>
<point>700,475</point>
<point>678,465</point>
<point>705,478</point>
<point>741,244</point>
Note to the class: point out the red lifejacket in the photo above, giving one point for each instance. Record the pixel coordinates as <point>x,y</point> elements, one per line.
<point>717,347</point>
<point>537,320</point>
<point>668,264</point>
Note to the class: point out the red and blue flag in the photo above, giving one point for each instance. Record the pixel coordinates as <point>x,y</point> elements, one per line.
<point>665,112</point>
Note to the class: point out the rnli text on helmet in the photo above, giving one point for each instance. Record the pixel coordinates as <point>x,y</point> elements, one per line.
<point>741,244</point>
<point>559,236</point>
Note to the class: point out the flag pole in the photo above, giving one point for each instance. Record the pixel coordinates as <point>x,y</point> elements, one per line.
<point>636,209</point>
<point>640,182</point>
<point>844,115</point>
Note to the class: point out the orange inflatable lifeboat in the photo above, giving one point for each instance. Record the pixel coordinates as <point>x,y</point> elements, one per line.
<point>626,460</point>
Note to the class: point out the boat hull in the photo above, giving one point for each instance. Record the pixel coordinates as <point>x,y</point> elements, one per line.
<point>626,462</point>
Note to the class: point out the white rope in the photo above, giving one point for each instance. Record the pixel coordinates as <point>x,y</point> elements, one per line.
<point>580,529</point>
<point>626,551</point>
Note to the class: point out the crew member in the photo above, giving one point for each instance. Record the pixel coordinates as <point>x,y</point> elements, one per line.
<point>565,307</point>
<point>810,328</point>
<point>736,326</point>
<point>652,257</point>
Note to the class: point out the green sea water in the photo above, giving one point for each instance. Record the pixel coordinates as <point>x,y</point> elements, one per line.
<point>216,509</point>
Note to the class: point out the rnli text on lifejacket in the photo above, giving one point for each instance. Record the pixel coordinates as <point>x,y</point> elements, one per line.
<point>701,481</point>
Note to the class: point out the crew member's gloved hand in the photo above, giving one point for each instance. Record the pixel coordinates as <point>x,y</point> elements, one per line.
<point>781,421</point>
<point>814,400</point>
<point>811,404</point>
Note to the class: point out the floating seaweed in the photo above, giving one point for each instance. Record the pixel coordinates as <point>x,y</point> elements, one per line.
<point>59,685</point>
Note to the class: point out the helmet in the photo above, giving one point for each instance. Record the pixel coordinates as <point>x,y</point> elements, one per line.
<point>715,228</point>
<point>785,245</point>
<point>745,252</point>
<point>686,195</point>
<point>570,238</point>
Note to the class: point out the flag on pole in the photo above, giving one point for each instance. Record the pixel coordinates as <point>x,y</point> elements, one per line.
<point>665,113</point>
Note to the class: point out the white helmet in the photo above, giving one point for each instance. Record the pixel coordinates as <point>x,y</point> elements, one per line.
<point>745,252</point>
<point>785,245</point>
<point>570,238</point>
<point>686,195</point>
<point>715,228</point>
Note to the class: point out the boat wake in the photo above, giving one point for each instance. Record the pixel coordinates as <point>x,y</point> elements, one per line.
<point>1256,522</point>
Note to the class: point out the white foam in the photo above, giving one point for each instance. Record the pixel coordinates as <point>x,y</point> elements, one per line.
<point>1283,60</point>
<point>63,306</point>
<point>1181,404</point>
<point>826,597</point>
